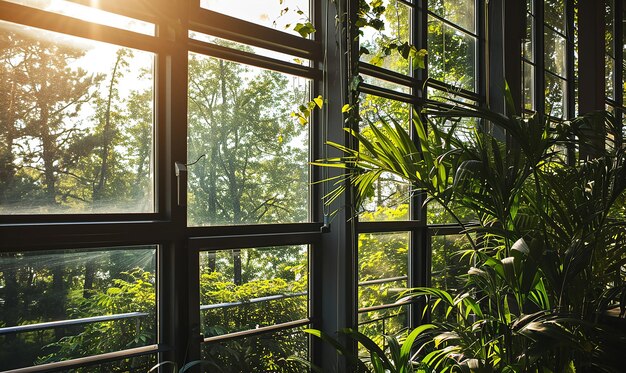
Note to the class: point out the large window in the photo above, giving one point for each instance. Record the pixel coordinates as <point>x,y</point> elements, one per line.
<point>157,197</point>
<point>132,138</point>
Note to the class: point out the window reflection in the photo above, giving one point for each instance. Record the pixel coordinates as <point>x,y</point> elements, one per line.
<point>77,132</point>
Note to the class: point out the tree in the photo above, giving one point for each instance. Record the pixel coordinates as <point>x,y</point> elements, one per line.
<point>255,169</point>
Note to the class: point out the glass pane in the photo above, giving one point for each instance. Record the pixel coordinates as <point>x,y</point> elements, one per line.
<point>555,55</point>
<point>390,197</point>
<point>436,214</point>
<point>373,293</point>
<point>555,96</point>
<point>396,18</point>
<point>253,157</point>
<point>248,288</point>
<point>247,48</point>
<point>609,28</point>
<point>609,77</point>
<point>266,352</point>
<point>451,55</point>
<point>448,264</point>
<point>101,300</point>
<point>528,42</point>
<point>528,75</point>
<point>624,85</point>
<point>378,323</point>
<point>554,14</point>
<point>463,127</point>
<point>459,12</point>
<point>382,265</point>
<point>281,15</point>
<point>76,126</point>
<point>89,14</point>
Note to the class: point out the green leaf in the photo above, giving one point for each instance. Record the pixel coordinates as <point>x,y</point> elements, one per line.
<point>377,60</point>
<point>319,101</point>
<point>304,29</point>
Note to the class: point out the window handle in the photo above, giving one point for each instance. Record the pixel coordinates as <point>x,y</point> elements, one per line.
<point>181,179</point>
<point>181,182</point>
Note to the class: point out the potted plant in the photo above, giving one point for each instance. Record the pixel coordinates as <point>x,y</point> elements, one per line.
<point>546,248</point>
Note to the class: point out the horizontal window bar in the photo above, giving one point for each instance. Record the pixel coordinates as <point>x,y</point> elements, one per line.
<point>383,280</point>
<point>65,323</point>
<point>253,59</point>
<point>67,25</point>
<point>388,226</point>
<point>261,330</point>
<point>557,76</point>
<point>524,59</point>
<point>253,300</point>
<point>436,84</point>
<point>223,26</point>
<point>91,360</point>
<point>252,229</point>
<point>52,236</point>
<point>76,218</point>
<point>560,33</point>
<point>387,75</point>
<point>256,240</point>
<point>446,229</point>
<point>387,93</point>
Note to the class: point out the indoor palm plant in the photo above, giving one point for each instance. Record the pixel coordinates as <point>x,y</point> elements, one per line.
<point>547,245</point>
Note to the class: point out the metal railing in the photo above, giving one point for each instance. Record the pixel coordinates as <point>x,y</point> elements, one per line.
<point>249,301</point>
<point>131,315</point>
<point>66,323</point>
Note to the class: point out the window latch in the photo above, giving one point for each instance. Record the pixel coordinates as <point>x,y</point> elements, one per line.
<point>181,182</point>
<point>181,179</point>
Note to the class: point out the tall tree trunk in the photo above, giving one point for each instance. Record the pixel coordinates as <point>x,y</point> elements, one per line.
<point>212,200</point>
<point>59,292</point>
<point>211,261</point>
<point>7,158</point>
<point>10,309</point>
<point>236,204</point>
<point>237,266</point>
<point>49,155</point>
<point>107,135</point>
<point>90,275</point>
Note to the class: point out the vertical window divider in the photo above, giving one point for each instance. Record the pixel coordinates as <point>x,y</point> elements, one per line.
<point>539,81</point>
<point>618,46</point>
<point>571,74</point>
<point>419,250</point>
